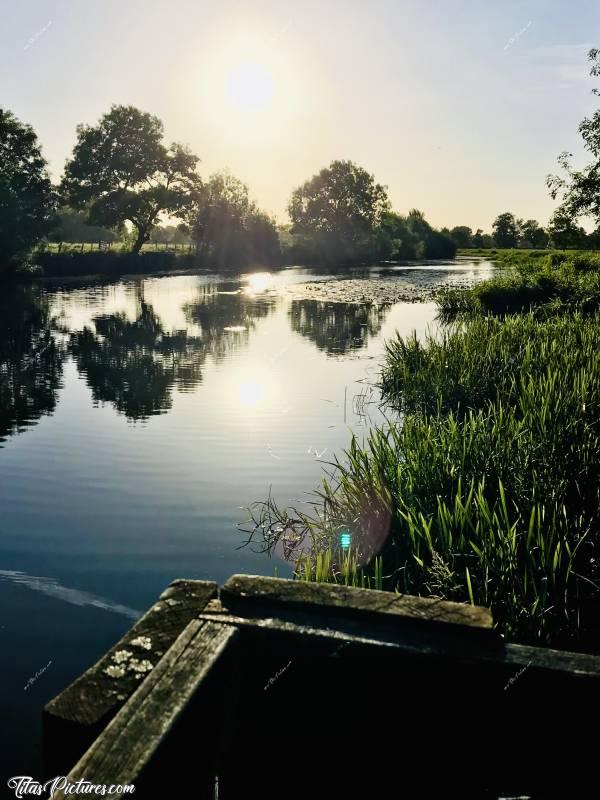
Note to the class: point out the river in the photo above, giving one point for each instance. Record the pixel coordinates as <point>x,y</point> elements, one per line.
<point>138,420</point>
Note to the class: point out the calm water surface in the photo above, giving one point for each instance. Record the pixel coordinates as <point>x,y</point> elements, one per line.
<point>138,419</point>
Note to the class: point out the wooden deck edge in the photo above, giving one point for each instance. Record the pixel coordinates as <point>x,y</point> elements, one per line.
<point>253,594</point>
<point>513,656</point>
<point>126,749</point>
<point>75,717</point>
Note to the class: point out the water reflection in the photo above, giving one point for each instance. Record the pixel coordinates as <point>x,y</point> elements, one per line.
<point>225,315</point>
<point>337,328</point>
<point>133,360</point>
<point>30,360</point>
<point>135,365</point>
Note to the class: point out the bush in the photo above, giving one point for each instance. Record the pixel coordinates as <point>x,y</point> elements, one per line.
<point>112,263</point>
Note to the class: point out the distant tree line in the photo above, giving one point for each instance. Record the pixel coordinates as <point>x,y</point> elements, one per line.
<point>123,181</point>
<point>562,232</point>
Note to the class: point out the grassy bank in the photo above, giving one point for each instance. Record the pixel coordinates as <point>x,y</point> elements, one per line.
<point>543,282</point>
<point>113,262</point>
<point>512,255</point>
<point>486,488</point>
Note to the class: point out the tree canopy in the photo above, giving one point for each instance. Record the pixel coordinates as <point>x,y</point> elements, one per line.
<point>462,236</point>
<point>506,230</point>
<point>341,205</point>
<point>408,237</point>
<point>122,172</point>
<point>27,199</point>
<point>229,230</point>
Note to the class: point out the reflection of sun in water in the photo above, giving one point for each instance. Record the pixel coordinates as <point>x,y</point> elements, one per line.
<point>251,393</point>
<point>259,282</point>
<point>250,86</point>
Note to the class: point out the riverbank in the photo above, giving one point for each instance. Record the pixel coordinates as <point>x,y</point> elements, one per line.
<point>483,486</point>
<point>77,263</point>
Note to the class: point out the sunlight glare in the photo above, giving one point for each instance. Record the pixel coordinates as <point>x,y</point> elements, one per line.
<point>250,86</point>
<point>251,393</point>
<point>258,282</point>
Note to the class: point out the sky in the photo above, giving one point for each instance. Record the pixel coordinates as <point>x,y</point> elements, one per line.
<point>459,107</point>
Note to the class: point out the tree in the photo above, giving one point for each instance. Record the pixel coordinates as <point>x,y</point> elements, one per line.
<point>411,237</point>
<point>506,230</point>
<point>229,230</point>
<point>397,238</point>
<point>564,232</point>
<point>340,208</point>
<point>462,236</point>
<point>122,172</point>
<point>27,199</point>
<point>532,235</point>
<point>580,190</point>
<point>262,237</point>
<point>478,238</point>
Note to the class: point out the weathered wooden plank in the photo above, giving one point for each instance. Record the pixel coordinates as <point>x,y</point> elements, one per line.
<point>126,751</point>
<point>75,717</point>
<point>575,664</point>
<point>417,642</point>
<point>244,594</point>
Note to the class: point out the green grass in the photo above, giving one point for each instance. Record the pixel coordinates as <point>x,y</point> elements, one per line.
<point>342,568</point>
<point>116,247</point>
<point>516,253</point>
<point>557,281</point>
<point>487,487</point>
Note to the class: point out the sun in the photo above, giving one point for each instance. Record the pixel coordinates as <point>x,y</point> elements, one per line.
<point>250,87</point>
<point>250,393</point>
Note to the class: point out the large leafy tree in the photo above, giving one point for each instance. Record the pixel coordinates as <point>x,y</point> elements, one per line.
<point>342,204</point>
<point>532,235</point>
<point>229,230</point>
<point>506,230</point>
<point>122,172</point>
<point>564,232</point>
<point>462,235</point>
<point>27,199</point>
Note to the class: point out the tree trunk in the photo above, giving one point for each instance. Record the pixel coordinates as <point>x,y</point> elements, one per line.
<point>141,238</point>
<point>144,230</point>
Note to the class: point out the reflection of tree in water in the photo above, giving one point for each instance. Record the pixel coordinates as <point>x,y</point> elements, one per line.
<point>221,307</point>
<point>30,359</point>
<point>337,327</point>
<point>135,365</point>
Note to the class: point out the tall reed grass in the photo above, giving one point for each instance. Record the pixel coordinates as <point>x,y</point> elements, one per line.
<point>487,488</point>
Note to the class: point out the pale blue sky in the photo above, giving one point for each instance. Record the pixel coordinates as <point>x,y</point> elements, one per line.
<point>459,107</point>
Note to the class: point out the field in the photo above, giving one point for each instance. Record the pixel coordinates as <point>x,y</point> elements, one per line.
<point>111,246</point>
